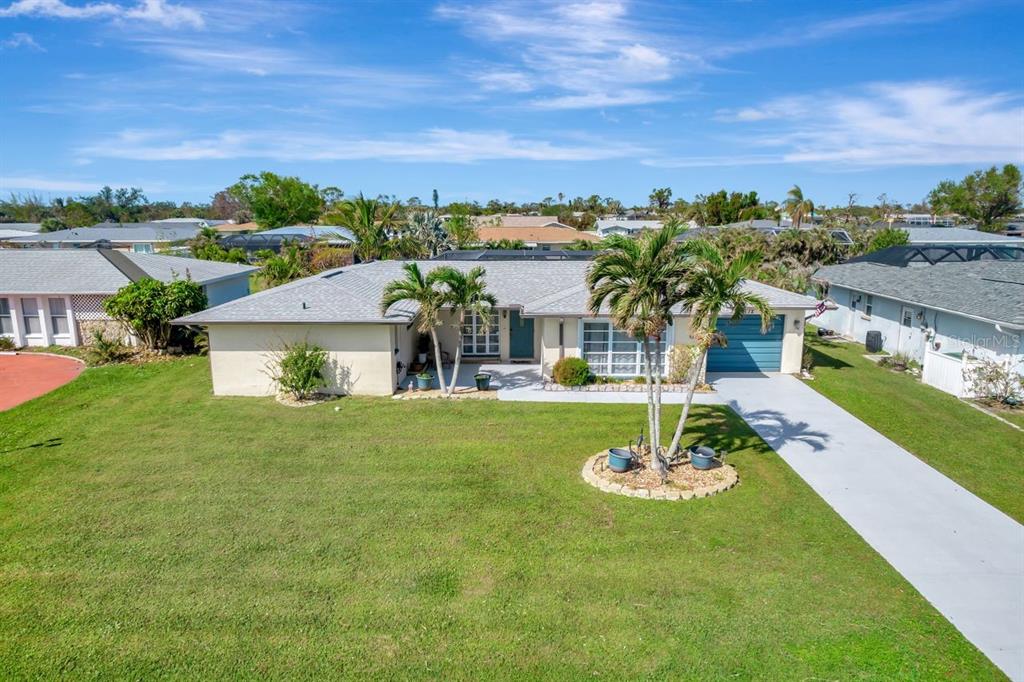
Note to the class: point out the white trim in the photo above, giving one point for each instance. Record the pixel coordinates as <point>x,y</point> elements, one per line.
<point>668,340</point>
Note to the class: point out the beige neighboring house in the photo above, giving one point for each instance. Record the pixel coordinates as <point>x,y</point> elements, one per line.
<point>541,316</point>
<point>536,232</point>
<point>55,296</point>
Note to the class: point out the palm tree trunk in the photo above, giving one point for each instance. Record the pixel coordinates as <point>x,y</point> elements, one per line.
<point>694,375</point>
<point>651,424</point>
<point>437,359</point>
<point>657,392</point>
<point>458,354</point>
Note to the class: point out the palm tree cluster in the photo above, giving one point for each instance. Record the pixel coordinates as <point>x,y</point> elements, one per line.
<point>640,283</point>
<point>445,287</point>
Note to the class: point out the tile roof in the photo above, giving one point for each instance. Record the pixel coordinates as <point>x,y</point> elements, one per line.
<point>535,235</point>
<point>352,294</point>
<point>88,271</point>
<point>989,290</point>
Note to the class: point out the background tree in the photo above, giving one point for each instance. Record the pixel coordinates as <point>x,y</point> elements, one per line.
<point>660,198</point>
<point>375,225</point>
<point>226,206</point>
<point>984,196</point>
<point>461,228</point>
<point>276,201</point>
<point>797,206</point>
<point>427,230</point>
<point>287,266</point>
<point>884,238</point>
<point>146,307</point>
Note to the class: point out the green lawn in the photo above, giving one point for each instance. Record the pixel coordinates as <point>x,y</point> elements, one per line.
<point>169,533</point>
<point>978,452</point>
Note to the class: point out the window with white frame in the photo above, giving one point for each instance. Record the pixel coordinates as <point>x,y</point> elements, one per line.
<point>869,305</point>
<point>6,321</point>
<point>30,315</point>
<point>477,341</point>
<point>58,317</point>
<point>613,352</point>
<point>142,248</point>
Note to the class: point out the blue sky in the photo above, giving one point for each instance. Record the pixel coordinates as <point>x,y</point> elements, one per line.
<point>508,99</point>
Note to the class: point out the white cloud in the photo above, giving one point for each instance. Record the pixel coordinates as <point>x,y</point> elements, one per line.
<point>21,40</point>
<point>580,55</point>
<point>27,183</point>
<point>159,12</point>
<point>882,124</point>
<point>437,145</point>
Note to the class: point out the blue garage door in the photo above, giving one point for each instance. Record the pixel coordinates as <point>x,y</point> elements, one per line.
<point>749,350</point>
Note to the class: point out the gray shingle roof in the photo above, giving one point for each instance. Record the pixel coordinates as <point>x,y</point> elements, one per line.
<point>130,232</point>
<point>989,290</point>
<point>956,235</point>
<point>352,294</point>
<point>87,271</point>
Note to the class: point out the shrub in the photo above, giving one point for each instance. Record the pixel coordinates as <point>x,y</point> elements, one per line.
<point>898,361</point>
<point>7,343</point>
<point>323,258</point>
<point>807,361</point>
<point>680,361</point>
<point>104,351</point>
<point>146,307</point>
<point>571,372</point>
<point>996,381</point>
<point>300,369</point>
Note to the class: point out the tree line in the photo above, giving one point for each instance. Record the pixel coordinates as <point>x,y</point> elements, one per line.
<point>986,197</point>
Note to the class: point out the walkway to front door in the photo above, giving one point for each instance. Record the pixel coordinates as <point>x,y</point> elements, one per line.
<point>965,556</point>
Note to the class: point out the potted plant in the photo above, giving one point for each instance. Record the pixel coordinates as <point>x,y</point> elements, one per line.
<point>702,457</point>
<point>424,381</point>
<point>422,346</point>
<point>483,381</point>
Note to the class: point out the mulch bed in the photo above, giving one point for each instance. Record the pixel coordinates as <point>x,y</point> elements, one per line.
<point>680,477</point>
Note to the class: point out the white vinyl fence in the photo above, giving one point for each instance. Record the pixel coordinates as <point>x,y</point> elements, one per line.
<point>946,372</point>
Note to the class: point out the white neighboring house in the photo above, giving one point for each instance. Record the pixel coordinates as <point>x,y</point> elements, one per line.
<point>55,297</point>
<point>134,237</point>
<point>944,315</point>
<point>956,236</point>
<point>541,316</point>
<point>625,226</point>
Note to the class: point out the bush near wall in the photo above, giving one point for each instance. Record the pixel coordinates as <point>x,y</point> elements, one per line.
<point>571,372</point>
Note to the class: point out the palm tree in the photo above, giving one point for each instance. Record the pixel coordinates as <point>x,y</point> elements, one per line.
<point>426,229</point>
<point>711,284</point>
<point>374,223</point>
<point>637,279</point>
<point>797,206</point>
<point>466,293</point>
<point>424,291</point>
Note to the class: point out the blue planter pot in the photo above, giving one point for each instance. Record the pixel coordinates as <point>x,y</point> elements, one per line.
<point>702,457</point>
<point>620,460</point>
<point>424,383</point>
<point>483,381</point>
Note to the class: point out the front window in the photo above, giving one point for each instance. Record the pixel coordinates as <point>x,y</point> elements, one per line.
<point>613,352</point>
<point>58,316</point>
<point>477,341</point>
<point>30,314</point>
<point>6,321</point>
<point>142,248</point>
<point>869,305</point>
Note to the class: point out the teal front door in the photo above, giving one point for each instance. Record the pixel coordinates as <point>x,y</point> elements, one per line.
<point>520,336</point>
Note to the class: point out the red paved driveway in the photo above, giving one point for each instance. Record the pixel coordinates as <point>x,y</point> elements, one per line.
<point>27,376</point>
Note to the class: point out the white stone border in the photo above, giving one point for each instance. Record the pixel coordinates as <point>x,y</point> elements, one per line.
<point>732,478</point>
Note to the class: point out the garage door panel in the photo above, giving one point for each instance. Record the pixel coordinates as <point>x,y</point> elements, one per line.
<point>749,350</point>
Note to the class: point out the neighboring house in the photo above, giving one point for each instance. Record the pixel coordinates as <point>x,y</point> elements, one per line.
<point>199,222</point>
<point>24,227</point>
<point>956,236</point>
<point>500,220</point>
<point>10,234</point>
<point>922,219</point>
<point>942,314</point>
<point>623,226</point>
<point>333,234</point>
<point>232,228</point>
<point>541,316</point>
<point>55,297</point>
<point>769,228</point>
<point>134,237</point>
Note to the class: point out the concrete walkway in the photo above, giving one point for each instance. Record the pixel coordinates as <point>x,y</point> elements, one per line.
<point>962,554</point>
<point>523,383</point>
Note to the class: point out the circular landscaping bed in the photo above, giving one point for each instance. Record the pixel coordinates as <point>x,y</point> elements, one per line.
<point>684,482</point>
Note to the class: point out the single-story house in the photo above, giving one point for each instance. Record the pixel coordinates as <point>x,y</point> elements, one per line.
<point>6,233</point>
<point>55,297</point>
<point>958,310</point>
<point>502,220</point>
<point>134,237</point>
<point>541,316</point>
<point>607,226</point>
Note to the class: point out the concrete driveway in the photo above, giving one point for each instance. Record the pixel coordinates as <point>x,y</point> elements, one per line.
<point>965,556</point>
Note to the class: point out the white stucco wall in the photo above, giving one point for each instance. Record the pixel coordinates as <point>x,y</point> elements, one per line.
<point>361,358</point>
<point>227,289</point>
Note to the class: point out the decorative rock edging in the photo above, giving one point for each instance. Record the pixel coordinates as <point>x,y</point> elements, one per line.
<point>289,401</point>
<point>591,476</point>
